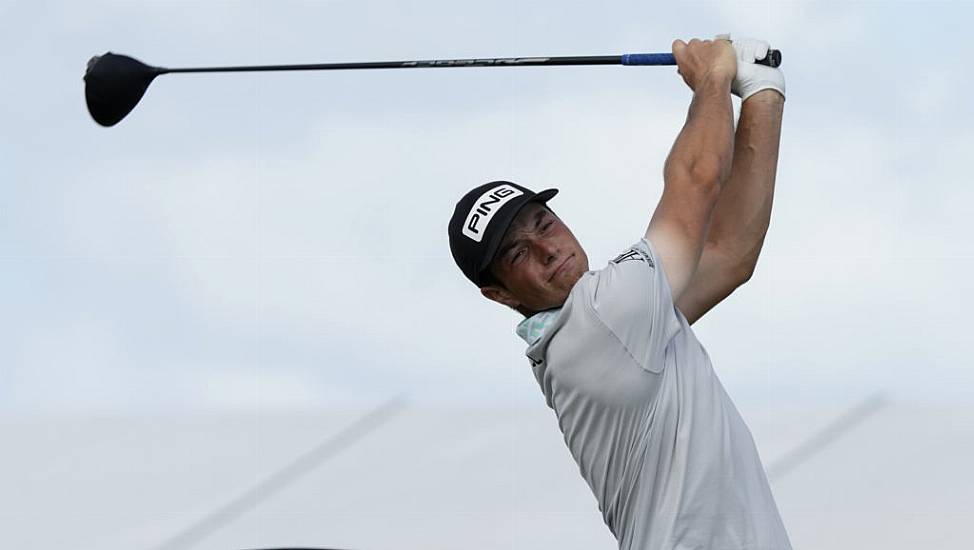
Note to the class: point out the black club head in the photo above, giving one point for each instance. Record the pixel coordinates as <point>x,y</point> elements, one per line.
<point>114,84</point>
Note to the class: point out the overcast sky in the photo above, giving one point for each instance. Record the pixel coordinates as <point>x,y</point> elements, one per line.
<point>278,241</point>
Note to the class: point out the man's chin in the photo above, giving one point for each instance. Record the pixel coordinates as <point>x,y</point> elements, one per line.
<point>560,299</point>
<point>571,280</point>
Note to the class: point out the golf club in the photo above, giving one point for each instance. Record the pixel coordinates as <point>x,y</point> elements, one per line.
<point>115,83</point>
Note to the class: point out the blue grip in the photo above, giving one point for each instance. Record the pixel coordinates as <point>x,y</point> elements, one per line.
<point>648,59</point>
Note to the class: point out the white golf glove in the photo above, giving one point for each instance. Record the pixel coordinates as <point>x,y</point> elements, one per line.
<point>752,78</point>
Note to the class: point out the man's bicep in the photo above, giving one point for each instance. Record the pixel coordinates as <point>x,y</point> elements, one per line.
<point>716,277</point>
<point>677,230</point>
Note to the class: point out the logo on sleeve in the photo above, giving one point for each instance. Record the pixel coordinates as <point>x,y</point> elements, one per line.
<point>484,209</point>
<point>633,254</point>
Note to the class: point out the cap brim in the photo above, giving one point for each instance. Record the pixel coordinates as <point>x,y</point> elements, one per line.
<point>520,203</point>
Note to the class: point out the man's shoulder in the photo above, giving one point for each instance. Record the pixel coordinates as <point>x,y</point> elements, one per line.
<point>635,253</point>
<point>624,273</point>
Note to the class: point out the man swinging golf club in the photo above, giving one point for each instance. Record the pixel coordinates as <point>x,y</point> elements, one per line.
<point>655,435</point>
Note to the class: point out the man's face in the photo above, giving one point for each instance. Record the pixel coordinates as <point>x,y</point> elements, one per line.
<point>538,262</point>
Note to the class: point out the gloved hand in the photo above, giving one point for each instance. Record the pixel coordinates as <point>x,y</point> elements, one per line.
<point>752,78</point>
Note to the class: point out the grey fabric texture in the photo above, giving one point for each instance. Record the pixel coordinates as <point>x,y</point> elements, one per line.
<point>658,440</point>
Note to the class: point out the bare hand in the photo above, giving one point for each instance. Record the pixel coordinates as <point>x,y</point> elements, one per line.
<point>699,60</point>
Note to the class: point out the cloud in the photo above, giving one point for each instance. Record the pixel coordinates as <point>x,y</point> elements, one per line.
<point>295,226</point>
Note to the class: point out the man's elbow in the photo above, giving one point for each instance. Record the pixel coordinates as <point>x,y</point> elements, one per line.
<point>703,172</point>
<point>737,268</point>
<point>744,272</point>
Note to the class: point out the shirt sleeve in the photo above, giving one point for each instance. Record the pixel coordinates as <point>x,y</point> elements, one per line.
<point>631,297</point>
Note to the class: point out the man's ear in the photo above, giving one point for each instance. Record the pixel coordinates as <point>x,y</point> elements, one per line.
<point>500,295</point>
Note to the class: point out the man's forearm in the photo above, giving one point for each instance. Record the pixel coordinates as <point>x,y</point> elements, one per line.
<point>703,150</point>
<point>743,210</point>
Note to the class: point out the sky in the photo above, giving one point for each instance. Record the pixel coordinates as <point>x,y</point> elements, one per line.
<point>278,241</point>
<point>247,262</point>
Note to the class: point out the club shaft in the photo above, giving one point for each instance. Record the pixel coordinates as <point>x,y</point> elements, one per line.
<point>425,64</point>
<point>773,59</point>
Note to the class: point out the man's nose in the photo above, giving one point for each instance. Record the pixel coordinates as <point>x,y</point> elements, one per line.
<point>548,250</point>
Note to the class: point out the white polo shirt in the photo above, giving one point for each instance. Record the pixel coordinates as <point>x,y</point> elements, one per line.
<point>655,435</point>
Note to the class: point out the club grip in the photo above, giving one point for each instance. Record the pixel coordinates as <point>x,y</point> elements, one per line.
<point>648,59</point>
<point>773,59</point>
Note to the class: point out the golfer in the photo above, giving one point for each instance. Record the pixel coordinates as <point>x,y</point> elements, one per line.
<point>655,435</point>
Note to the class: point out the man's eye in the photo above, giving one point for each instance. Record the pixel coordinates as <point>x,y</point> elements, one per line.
<point>546,226</point>
<point>517,255</point>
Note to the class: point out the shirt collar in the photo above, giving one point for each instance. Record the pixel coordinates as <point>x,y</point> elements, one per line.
<point>531,329</point>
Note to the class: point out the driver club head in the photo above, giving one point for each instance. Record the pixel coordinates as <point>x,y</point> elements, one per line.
<point>114,84</point>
